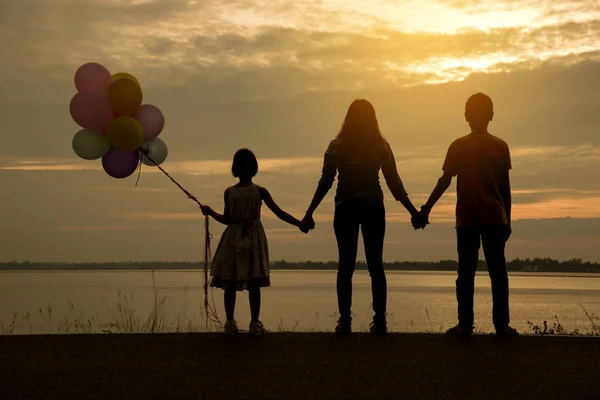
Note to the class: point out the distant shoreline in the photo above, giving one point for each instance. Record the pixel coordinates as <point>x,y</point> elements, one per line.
<point>517,265</point>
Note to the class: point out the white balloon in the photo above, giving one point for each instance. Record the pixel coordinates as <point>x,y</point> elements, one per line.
<point>90,145</point>
<point>157,150</point>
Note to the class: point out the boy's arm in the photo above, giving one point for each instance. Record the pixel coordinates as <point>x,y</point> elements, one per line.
<point>450,168</point>
<point>282,215</point>
<point>505,193</point>
<point>440,188</point>
<point>503,180</point>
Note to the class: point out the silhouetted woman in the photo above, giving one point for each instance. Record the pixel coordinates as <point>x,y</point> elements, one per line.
<point>358,153</point>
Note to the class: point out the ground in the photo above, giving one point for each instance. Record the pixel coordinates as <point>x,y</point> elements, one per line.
<point>298,366</point>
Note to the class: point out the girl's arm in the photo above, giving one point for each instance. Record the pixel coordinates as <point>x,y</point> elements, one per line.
<point>222,218</point>
<point>282,215</point>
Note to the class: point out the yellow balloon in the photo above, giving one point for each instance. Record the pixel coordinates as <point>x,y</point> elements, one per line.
<point>125,134</point>
<point>125,96</point>
<point>120,75</point>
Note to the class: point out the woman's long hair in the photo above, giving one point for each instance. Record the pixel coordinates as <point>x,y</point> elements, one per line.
<point>360,127</point>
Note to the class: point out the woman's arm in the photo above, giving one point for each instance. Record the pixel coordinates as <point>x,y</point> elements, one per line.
<point>282,215</point>
<point>393,181</point>
<point>222,218</point>
<point>325,183</point>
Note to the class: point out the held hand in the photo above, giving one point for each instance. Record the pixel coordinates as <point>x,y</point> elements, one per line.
<point>421,219</point>
<point>306,226</point>
<point>206,210</point>
<point>308,218</point>
<point>308,223</point>
<point>417,221</point>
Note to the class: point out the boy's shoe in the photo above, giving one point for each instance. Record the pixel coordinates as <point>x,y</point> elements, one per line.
<point>231,328</point>
<point>378,328</point>
<point>507,332</point>
<point>257,329</point>
<point>459,331</point>
<point>343,328</point>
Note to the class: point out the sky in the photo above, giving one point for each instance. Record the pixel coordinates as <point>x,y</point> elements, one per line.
<point>277,76</point>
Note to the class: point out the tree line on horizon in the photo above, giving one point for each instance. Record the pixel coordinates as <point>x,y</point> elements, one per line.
<point>516,265</point>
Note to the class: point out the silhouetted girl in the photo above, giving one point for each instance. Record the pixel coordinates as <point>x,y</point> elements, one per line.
<point>241,261</point>
<point>357,154</point>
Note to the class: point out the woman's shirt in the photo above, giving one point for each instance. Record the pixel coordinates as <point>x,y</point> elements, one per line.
<point>359,172</point>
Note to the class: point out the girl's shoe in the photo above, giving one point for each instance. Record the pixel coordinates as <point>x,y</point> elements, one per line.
<point>257,329</point>
<point>231,328</point>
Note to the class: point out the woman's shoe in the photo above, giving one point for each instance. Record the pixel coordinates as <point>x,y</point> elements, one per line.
<point>507,332</point>
<point>378,328</point>
<point>459,331</point>
<point>343,328</point>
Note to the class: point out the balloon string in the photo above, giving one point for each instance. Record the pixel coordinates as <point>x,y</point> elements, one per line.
<point>188,194</point>
<point>210,309</point>
<point>207,257</point>
<point>139,173</point>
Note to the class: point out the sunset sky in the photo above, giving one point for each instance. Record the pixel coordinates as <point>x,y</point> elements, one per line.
<point>277,76</point>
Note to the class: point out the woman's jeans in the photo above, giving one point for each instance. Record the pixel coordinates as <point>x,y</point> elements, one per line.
<point>369,216</point>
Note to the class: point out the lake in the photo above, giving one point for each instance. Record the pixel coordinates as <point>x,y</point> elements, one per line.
<point>76,301</point>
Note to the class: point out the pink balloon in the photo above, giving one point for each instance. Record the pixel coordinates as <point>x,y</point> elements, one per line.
<point>120,164</point>
<point>151,119</point>
<point>93,78</point>
<point>91,111</point>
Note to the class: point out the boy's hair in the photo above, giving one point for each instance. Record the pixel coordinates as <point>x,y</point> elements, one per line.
<point>245,164</point>
<point>479,106</point>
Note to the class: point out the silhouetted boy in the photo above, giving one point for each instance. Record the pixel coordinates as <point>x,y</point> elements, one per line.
<point>481,162</point>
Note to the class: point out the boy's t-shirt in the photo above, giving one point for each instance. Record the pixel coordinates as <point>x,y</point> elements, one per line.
<point>478,160</point>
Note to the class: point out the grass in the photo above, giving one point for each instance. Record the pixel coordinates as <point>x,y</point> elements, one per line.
<point>123,318</point>
<point>556,328</point>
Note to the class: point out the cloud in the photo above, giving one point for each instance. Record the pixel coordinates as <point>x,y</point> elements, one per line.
<point>96,228</point>
<point>277,77</point>
<point>167,40</point>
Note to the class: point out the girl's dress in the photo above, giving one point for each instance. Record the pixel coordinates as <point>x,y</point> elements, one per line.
<point>242,256</point>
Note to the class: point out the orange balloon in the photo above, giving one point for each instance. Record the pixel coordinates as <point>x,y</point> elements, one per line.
<point>125,96</point>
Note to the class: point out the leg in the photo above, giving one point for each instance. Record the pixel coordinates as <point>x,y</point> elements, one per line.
<point>494,242</point>
<point>373,232</point>
<point>345,226</point>
<point>254,297</point>
<point>230,295</point>
<point>468,240</point>
<point>256,327</point>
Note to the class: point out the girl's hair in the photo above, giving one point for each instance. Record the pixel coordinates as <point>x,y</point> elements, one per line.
<point>245,164</point>
<point>360,126</point>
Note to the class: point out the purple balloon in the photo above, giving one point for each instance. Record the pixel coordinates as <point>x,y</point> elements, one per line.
<point>93,78</point>
<point>120,164</point>
<point>151,119</point>
<point>91,111</point>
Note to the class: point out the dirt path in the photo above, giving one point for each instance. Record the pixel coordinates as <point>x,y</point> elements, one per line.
<point>297,366</point>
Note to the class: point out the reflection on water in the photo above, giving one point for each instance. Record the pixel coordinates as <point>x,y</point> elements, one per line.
<point>300,300</point>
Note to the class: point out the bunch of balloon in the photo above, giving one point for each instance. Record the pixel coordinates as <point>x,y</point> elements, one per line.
<point>115,124</point>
